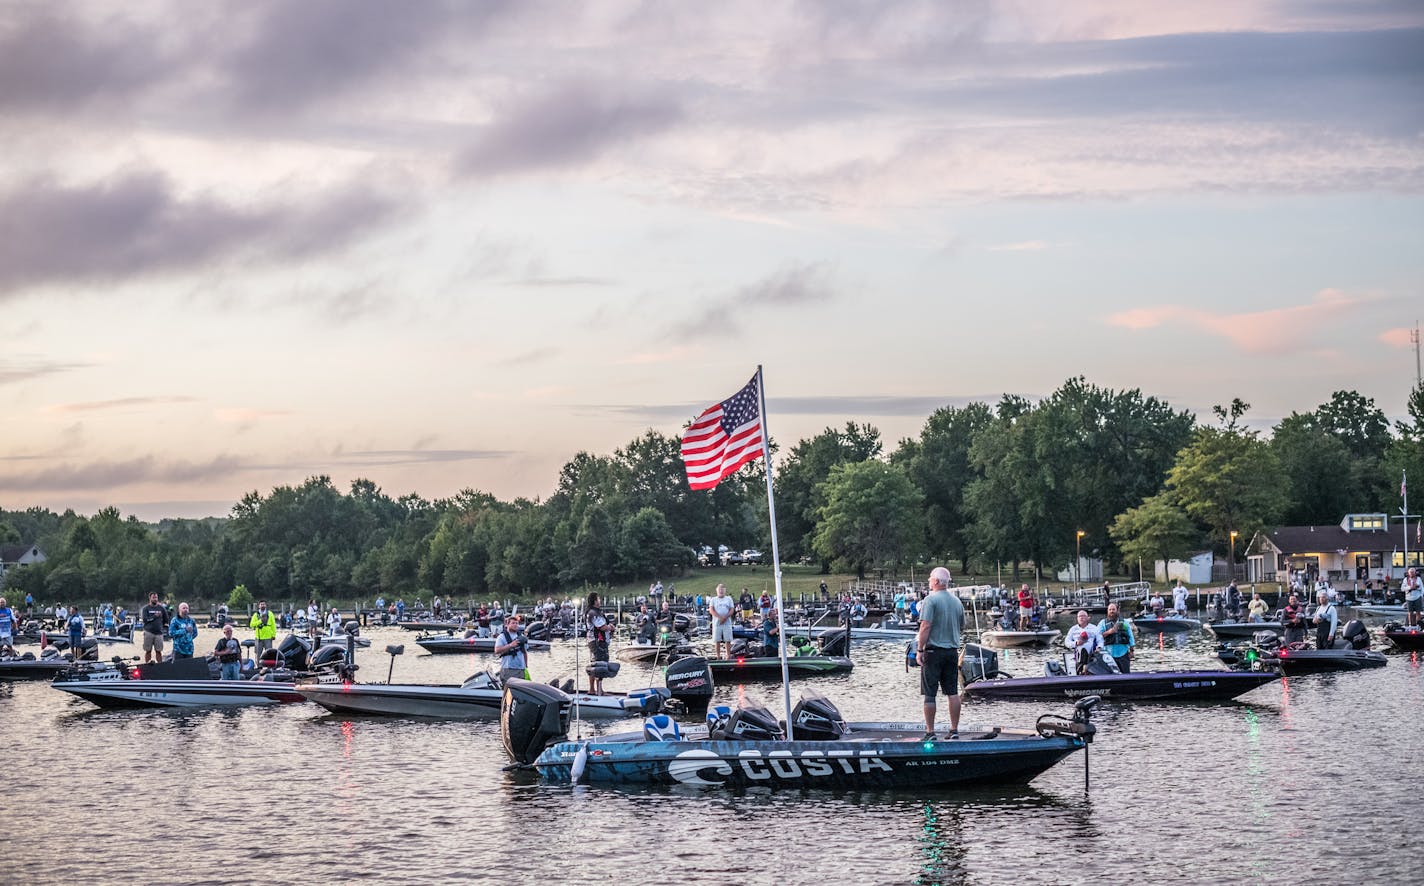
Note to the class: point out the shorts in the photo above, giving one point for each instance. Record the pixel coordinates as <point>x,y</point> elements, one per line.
<point>6,639</point>
<point>152,642</point>
<point>1025,611</point>
<point>1414,605</point>
<point>722,632</point>
<point>939,672</point>
<point>598,650</point>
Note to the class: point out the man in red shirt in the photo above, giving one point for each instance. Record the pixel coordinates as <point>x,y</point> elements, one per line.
<point>1025,608</point>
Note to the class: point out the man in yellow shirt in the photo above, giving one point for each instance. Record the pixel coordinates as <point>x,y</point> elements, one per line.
<point>265,624</point>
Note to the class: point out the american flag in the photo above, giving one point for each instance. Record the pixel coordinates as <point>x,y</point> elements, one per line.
<point>724,437</point>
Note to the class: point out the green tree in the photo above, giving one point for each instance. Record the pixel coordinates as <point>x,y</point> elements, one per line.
<point>1318,488</point>
<point>871,517</point>
<point>1228,479</point>
<point>799,480</point>
<point>1155,530</point>
<point>647,547</point>
<point>938,464</point>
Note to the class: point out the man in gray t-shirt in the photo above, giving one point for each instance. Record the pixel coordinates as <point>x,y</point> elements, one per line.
<point>940,636</point>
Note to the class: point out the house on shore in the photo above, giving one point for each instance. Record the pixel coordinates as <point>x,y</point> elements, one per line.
<point>1195,570</point>
<point>1362,547</point>
<point>12,556</point>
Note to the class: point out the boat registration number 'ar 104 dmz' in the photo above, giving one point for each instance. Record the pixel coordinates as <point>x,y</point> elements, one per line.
<point>692,767</point>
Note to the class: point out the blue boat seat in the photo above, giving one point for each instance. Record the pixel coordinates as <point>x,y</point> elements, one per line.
<point>718,716</point>
<point>661,727</point>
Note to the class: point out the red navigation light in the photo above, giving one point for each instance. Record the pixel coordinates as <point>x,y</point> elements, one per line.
<point>741,660</point>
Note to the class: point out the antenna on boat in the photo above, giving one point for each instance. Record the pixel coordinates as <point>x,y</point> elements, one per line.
<point>578,728</point>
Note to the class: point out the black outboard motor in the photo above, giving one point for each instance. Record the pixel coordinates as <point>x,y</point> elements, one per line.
<point>740,648</point>
<point>750,723</point>
<point>1355,635</point>
<point>1102,664</point>
<point>690,681</point>
<point>537,631</point>
<point>682,623</point>
<point>980,663</point>
<point>532,717</point>
<point>815,718</point>
<point>836,642</point>
<point>327,656</point>
<point>293,652</point>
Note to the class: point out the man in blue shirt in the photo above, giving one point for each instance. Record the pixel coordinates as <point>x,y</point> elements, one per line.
<point>7,629</point>
<point>1117,637</point>
<point>939,639</point>
<point>183,630</point>
<point>509,646</point>
<point>770,634</point>
<point>76,632</point>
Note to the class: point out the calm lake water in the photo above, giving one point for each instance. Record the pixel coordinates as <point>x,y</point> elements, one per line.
<point>1300,782</point>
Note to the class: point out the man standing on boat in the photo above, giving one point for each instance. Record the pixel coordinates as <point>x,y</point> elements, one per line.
<point>183,630</point>
<point>1117,637</point>
<point>229,655</point>
<point>1326,619</point>
<point>1084,641</point>
<point>600,632</point>
<point>513,662</point>
<point>721,608</point>
<point>154,618</point>
<point>265,625</point>
<point>1293,622</point>
<point>1179,598</point>
<point>1413,595</point>
<point>1025,608</point>
<point>938,642</point>
<point>7,628</point>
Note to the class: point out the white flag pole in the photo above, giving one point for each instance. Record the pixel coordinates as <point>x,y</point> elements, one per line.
<point>775,553</point>
<point>1404,491</point>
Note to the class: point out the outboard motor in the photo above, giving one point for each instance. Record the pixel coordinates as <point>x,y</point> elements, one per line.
<point>740,648</point>
<point>537,631</point>
<point>88,649</point>
<point>532,717</point>
<point>750,723</point>
<point>327,656</point>
<point>682,623</point>
<point>816,718</point>
<point>690,682</point>
<point>836,642</point>
<point>980,663</point>
<point>1102,664</point>
<point>1355,635</point>
<point>603,670</point>
<point>293,652</point>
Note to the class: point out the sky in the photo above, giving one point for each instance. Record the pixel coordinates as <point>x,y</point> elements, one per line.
<point>446,245</point>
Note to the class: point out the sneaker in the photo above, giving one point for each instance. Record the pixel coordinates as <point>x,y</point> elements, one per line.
<point>953,735</point>
<point>930,736</point>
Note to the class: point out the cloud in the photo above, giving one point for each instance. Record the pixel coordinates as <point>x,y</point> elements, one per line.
<point>1023,246</point>
<point>667,355</point>
<point>246,416</point>
<point>20,369</point>
<point>50,64</point>
<point>137,224</point>
<point>560,282</point>
<point>837,406</point>
<point>1399,337</point>
<point>569,126</point>
<point>533,355</point>
<point>1274,331</point>
<point>794,285</point>
<point>120,403</point>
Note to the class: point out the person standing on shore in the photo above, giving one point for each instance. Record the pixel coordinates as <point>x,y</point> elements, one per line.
<point>184,631</point>
<point>938,641</point>
<point>265,626</point>
<point>154,618</point>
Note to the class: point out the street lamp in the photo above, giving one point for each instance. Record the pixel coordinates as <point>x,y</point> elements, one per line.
<point>1078,561</point>
<point>1233,555</point>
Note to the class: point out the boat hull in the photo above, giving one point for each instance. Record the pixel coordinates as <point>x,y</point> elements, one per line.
<point>1410,640</point>
<point>1143,686</point>
<point>1166,625</point>
<point>859,765</point>
<point>37,669</point>
<point>1293,662</point>
<point>1004,639</point>
<point>768,668</point>
<point>378,700</point>
<point>122,693</point>
<point>1242,630</point>
<point>467,645</point>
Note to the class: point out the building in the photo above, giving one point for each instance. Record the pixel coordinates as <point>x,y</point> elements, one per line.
<point>18,555</point>
<point>1089,571</point>
<point>1195,570</point>
<point>1362,547</point>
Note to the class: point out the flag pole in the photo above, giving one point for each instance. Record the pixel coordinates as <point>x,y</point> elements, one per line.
<point>1404,511</point>
<point>775,554</point>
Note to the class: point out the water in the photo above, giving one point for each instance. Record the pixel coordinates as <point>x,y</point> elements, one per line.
<point>1299,783</point>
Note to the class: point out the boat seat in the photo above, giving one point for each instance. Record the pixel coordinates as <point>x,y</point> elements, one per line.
<point>1053,669</point>
<point>718,715</point>
<point>661,727</point>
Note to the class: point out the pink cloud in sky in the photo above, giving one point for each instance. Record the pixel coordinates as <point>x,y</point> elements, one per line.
<point>1401,337</point>
<point>1271,331</point>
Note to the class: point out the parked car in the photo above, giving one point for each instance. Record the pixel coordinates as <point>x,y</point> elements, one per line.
<point>751,556</point>
<point>732,558</point>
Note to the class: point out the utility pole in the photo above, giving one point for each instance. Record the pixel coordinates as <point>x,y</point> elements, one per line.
<point>1414,337</point>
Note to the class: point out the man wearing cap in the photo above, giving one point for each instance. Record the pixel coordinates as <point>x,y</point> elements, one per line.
<point>1413,595</point>
<point>154,618</point>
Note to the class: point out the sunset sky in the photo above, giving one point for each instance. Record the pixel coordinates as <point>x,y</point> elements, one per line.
<point>449,245</point>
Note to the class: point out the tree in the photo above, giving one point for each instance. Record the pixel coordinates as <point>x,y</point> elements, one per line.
<point>1313,462</point>
<point>1354,420</point>
<point>938,464</point>
<point>1155,530</point>
<point>647,547</point>
<point>799,479</point>
<point>1228,479</point>
<point>871,517</point>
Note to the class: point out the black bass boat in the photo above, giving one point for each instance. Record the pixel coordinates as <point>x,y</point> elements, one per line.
<point>29,667</point>
<point>470,643</point>
<point>1165,624</point>
<point>1242,630</point>
<point>753,661</point>
<point>1351,652</point>
<point>415,624</point>
<point>980,669</point>
<point>747,748</point>
<point>195,682</point>
<point>1406,638</point>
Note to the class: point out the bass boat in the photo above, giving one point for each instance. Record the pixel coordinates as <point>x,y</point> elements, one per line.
<point>1406,638</point>
<point>1242,630</point>
<point>1165,624</point>
<point>1351,652</point>
<point>450,644</point>
<point>747,748</point>
<point>980,669</point>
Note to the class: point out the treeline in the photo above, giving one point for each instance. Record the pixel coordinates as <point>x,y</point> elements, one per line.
<point>1014,482</point>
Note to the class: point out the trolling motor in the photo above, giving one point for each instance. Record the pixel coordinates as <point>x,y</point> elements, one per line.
<point>1081,726</point>
<point>393,650</point>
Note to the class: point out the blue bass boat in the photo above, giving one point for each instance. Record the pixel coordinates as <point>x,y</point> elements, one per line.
<point>746,748</point>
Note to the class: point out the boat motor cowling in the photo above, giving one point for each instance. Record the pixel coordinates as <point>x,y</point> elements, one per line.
<point>690,682</point>
<point>330,654</point>
<point>750,723</point>
<point>1356,635</point>
<point>816,718</point>
<point>978,663</point>
<point>836,642</point>
<point>537,631</point>
<point>533,716</point>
